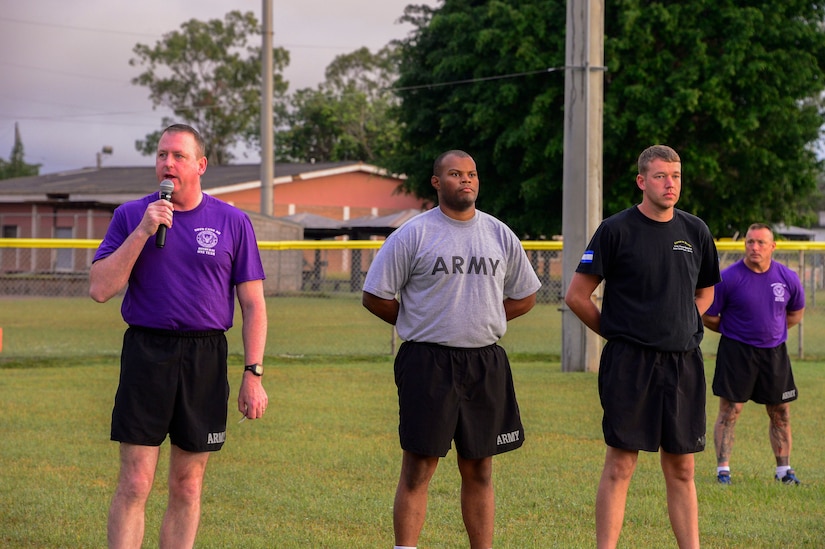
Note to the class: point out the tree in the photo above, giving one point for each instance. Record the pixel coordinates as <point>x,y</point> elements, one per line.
<point>16,166</point>
<point>348,116</point>
<point>731,85</point>
<point>474,76</point>
<point>209,75</point>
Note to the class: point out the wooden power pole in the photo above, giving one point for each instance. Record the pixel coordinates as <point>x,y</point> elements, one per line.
<point>582,202</point>
<point>267,132</point>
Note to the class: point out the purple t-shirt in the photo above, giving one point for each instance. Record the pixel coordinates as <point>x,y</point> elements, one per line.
<point>189,285</point>
<point>753,306</point>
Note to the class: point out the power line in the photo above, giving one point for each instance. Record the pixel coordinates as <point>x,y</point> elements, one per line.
<point>64,73</point>
<point>73,27</point>
<point>57,120</point>
<point>155,35</point>
<point>474,80</point>
<point>499,77</point>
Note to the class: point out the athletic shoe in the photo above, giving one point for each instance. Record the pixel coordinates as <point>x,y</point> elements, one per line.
<point>789,478</point>
<point>723,477</point>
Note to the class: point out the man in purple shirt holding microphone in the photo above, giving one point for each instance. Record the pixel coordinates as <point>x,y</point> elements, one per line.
<point>179,301</point>
<point>754,305</point>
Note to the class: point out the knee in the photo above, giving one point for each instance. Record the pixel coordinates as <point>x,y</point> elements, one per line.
<point>728,414</point>
<point>678,468</point>
<point>727,420</point>
<point>619,470</point>
<point>413,483</point>
<point>187,488</point>
<point>416,472</point>
<point>134,486</point>
<point>682,473</point>
<point>479,471</point>
<point>780,415</point>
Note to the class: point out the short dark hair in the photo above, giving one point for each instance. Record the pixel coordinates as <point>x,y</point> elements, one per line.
<point>758,226</point>
<point>662,152</point>
<point>440,160</point>
<point>185,128</point>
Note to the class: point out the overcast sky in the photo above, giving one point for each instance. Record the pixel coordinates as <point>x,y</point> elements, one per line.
<point>65,74</point>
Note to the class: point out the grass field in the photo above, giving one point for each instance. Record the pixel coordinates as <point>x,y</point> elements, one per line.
<point>320,469</point>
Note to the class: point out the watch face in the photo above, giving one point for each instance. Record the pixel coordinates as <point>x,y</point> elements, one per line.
<point>256,369</point>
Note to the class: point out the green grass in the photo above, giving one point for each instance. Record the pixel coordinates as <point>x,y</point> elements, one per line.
<point>320,470</point>
<point>298,326</point>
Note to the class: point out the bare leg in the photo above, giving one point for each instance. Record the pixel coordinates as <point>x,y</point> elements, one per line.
<point>410,506</point>
<point>478,505</point>
<point>611,497</point>
<point>126,513</point>
<point>183,511</point>
<point>682,504</point>
<point>780,431</point>
<point>723,430</point>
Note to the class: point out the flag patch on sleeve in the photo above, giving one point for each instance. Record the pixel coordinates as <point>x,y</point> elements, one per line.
<point>587,256</point>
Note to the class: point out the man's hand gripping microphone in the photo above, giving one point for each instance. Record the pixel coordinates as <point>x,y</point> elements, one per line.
<point>166,188</point>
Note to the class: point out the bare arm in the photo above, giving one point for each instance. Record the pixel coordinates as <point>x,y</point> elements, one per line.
<point>385,309</point>
<point>252,398</point>
<point>109,275</point>
<point>795,317</point>
<point>703,297</point>
<point>579,299</point>
<point>514,308</point>
<point>712,322</point>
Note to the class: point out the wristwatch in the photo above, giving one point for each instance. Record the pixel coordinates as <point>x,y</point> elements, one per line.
<point>256,369</point>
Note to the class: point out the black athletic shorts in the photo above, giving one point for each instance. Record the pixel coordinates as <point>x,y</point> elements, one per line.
<point>744,372</point>
<point>449,393</point>
<point>172,383</point>
<point>652,399</point>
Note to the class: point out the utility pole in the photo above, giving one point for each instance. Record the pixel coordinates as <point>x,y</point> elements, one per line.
<point>267,136</point>
<point>582,201</point>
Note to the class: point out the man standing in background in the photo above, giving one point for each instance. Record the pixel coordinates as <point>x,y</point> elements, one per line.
<point>755,304</point>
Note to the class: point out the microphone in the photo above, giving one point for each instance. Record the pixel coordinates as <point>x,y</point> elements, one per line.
<point>166,188</point>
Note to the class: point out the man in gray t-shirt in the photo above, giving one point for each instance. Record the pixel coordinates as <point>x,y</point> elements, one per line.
<point>449,280</point>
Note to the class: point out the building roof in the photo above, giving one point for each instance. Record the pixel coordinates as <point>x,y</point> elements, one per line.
<point>794,233</point>
<point>119,184</point>
<point>383,225</point>
<point>318,226</point>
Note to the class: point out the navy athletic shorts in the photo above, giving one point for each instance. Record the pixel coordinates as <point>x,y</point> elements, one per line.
<point>744,372</point>
<point>172,383</point>
<point>652,399</point>
<point>449,393</point>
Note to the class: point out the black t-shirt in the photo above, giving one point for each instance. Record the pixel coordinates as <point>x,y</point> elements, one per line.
<point>651,271</point>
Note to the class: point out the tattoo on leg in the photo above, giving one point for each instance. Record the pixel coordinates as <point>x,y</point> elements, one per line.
<point>724,431</point>
<point>779,432</point>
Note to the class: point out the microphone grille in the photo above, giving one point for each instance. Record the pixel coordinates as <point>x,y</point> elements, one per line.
<point>167,186</point>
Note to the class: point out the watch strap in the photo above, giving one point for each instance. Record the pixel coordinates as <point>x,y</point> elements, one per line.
<point>256,369</point>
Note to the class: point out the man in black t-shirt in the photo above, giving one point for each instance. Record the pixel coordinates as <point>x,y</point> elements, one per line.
<point>659,265</point>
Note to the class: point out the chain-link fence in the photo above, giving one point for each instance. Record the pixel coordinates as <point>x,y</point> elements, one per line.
<point>60,268</point>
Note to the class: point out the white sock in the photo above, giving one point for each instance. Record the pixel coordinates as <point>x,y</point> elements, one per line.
<point>725,468</point>
<point>403,547</point>
<point>781,470</point>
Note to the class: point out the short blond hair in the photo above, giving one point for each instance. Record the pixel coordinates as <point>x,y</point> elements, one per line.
<point>662,152</point>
